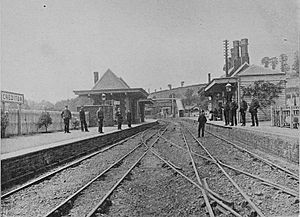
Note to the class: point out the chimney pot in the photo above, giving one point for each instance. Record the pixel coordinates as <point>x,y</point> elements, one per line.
<point>96,77</point>
<point>209,78</point>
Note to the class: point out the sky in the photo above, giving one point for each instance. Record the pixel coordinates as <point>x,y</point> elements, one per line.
<point>51,47</point>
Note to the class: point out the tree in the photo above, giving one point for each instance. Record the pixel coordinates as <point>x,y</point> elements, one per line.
<point>264,91</point>
<point>265,61</point>
<point>295,66</point>
<point>44,120</point>
<point>274,62</point>
<point>284,67</point>
<point>188,97</point>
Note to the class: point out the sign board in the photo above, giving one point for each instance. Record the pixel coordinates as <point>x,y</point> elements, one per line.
<point>12,97</point>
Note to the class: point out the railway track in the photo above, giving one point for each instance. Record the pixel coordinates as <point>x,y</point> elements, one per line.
<point>37,187</point>
<point>213,164</point>
<point>228,180</point>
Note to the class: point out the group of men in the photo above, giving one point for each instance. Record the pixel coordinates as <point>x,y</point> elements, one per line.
<point>67,115</point>
<point>230,110</point>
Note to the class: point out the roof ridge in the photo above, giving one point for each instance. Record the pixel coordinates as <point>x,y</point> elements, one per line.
<point>109,80</point>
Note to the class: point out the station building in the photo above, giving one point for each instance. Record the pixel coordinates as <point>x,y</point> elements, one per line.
<point>111,92</point>
<point>242,74</point>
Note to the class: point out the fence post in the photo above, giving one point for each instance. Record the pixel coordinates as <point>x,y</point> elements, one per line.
<point>19,119</point>
<point>291,119</point>
<point>280,117</point>
<point>272,121</point>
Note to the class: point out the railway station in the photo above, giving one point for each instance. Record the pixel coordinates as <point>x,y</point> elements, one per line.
<point>150,108</point>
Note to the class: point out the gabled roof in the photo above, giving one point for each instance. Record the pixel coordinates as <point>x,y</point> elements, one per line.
<point>110,81</point>
<point>258,70</point>
<point>241,68</point>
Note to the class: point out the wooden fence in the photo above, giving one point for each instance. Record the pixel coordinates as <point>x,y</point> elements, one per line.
<point>28,121</point>
<point>285,116</point>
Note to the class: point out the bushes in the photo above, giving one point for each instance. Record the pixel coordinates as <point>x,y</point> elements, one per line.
<point>44,120</point>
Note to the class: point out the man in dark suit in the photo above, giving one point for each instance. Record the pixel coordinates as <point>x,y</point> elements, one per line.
<point>82,120</point>
<point>119,119</point>
<point>243,109</point>
<point>226,113</point>
<point>66,116</point>
<point>129,118</point>
<point>202,120</point>
<point>254,105</point>
<point>100,116</point>
<point>233,107</point>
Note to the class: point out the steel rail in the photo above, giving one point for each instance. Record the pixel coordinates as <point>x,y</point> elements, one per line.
<point>258,211</point>
<point>94,210</point>
<point>264,181</point>
<point>71,197</point>
<point>208,206</point>
<point>74,163</point>
<point>295,176</point>
<point>209,192</point>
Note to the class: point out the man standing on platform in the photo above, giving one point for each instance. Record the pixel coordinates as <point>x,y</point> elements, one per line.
<point>202,120</point>
<point>119,119</point>
<point>233,108</point>
<point>226,112</point>
<point>243,109</point>
<point>100,117</point>
<point>66,115</point>
<point>129,118</point>
<point>82,120</point>
<point>253,110</point>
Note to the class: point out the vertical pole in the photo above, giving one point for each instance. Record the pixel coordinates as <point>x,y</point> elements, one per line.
<point>19,119</point>
<point>291,119</point>
<point>272,116</point>
<point>280,117</point>
<point>239,98</point>
<point>226,56</point>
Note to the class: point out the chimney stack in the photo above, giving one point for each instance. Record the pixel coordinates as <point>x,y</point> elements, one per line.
<point>209,79</point>
<point>96,77</point>
<point>236,52</point>
<point>244,51</point>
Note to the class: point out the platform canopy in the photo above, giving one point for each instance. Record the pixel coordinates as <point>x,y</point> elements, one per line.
<point>217,85</point>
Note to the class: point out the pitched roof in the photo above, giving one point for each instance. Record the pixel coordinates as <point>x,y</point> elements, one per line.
<point>258,70</point>
<point>110,81</point>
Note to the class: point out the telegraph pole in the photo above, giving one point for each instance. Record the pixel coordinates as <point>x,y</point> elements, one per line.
<point>226,56</point>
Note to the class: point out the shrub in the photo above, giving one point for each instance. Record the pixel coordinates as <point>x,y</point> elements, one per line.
<point>75,123</point>
<point>44,120</point>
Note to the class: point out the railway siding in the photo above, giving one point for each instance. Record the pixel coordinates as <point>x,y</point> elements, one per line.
<point>34,162</point>
<point>279,145</point>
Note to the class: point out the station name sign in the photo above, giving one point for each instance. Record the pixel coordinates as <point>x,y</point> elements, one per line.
<point>12,97</point>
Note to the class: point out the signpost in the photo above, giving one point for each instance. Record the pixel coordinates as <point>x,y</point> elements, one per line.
<point>10,97</point>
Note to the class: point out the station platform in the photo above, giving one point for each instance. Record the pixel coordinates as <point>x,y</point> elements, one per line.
<point>20,145</point>
<point>264,126</point>
<point>23,157</point>
<point>279,142</point>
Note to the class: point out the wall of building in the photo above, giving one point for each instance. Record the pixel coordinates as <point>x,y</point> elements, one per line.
<point>264,114</point>
<point>108,111</point>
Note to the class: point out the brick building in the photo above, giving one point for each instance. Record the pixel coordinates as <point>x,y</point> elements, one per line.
<point>110,93</point>
<point>242,74</point>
